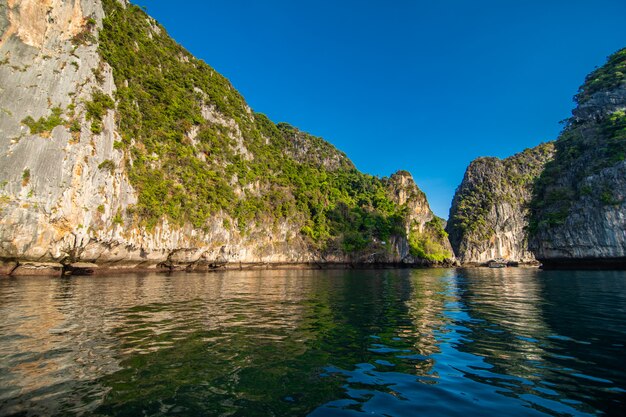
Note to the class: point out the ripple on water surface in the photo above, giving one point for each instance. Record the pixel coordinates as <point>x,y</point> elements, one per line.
<point>392,342</point>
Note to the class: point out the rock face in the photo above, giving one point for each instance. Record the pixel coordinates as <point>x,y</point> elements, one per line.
<point>563,204</point>
<point>119,148</point>
<point>489,211</point>
<point>427,237</point>
<point>579,208</point>
<point>593,232</point>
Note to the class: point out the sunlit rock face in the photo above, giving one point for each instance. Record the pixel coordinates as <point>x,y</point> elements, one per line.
<point>70,189</point>
<point>50,182</point>
<point>488,217</point>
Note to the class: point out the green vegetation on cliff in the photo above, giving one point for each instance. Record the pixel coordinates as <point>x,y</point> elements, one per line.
<point>607,77</point>
<point>584,148</point>
<point>581,151</point>
<point>489,181</point>
<point>96,109</point>
<point>44,125</point>
<point>195,150</point>
<point>428,243</point>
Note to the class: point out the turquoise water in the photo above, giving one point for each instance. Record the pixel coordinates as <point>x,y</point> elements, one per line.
<point>455,342</point>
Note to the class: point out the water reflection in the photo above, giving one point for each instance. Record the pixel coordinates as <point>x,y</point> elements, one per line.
<point>391,342</point>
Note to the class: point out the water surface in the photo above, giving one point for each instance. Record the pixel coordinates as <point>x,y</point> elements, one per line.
<point>518,342</point>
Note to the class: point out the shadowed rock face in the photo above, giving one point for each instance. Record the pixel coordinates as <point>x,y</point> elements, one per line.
<point>579,209</point>
<point>489,211</point>
<point>600,105</point>
<point>66,187</point>
<point>593,229</point>
<point>595,226</point>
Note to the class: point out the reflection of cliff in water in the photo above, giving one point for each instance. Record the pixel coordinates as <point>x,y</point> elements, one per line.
<point>294,342</point>
<point>393,325</point>
<point>214,345</point>
<point>542,327</point>
<point>258,336</point>
<point>255,343</point>
<point>431,291</point>
<point>61,346</point>
<point>507,304</point>
<point>575,306</point>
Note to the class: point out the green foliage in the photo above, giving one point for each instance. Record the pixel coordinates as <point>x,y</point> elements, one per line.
<point>117,219</point>
<point>608,198</point>
<point>162,103</point>
<point>586,190</point>
<point>607,77</point>
<point>85,35</point>
<point>360,226</point>
<point>98,74</point>
<point>428,244</point>
<point>97,108</point>
<point>4,201</point>
<point>581,151</point>
<point>108,165</point>
<point>75,126</point>
<point>44,125</point>
<point>436,227</point>
<point>188,169</point>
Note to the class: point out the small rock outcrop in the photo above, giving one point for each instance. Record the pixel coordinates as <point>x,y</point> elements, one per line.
<point>427,237</point>
<point>488,217</point>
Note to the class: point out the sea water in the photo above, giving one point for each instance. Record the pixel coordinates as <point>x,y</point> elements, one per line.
<point>421,342</point>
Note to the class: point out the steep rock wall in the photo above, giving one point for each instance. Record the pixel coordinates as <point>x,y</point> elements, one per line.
<point>562,204</point>
<point>488,217</point>
<point>427,237</point>
<point>594,230</point>
<point>579,208</point>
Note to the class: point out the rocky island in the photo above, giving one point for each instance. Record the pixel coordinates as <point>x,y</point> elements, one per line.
<point>563,203</point>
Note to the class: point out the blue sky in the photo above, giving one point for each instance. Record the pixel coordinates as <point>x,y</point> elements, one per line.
<point>424,86</point>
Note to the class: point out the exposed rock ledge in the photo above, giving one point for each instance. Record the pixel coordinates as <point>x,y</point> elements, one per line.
<point>54,269</point>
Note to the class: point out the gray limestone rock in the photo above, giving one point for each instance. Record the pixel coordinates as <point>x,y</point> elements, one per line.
<point>488,217</point>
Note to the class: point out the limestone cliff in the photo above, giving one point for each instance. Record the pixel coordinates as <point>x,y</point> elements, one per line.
<point>117,147</point>
<point>563,204</point>
<point>427,237</point>
<point>489,211</point>
<point>579,208</point>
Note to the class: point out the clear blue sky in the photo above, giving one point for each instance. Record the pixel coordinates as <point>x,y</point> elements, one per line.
<point>425,86</point>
